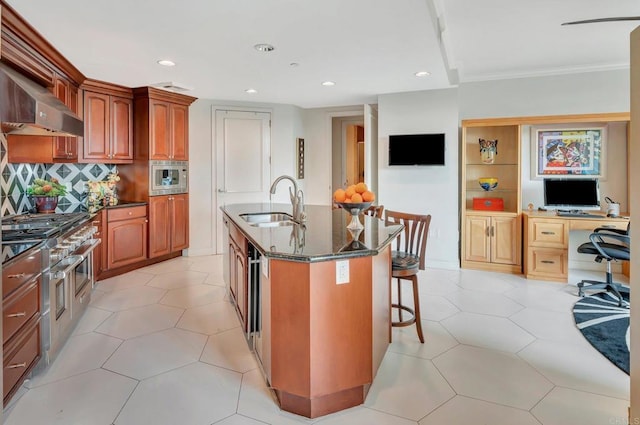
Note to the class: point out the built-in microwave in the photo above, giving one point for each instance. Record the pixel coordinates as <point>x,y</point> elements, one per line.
<point>168,177</point>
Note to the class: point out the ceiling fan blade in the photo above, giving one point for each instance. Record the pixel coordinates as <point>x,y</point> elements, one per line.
<point>592,21</point>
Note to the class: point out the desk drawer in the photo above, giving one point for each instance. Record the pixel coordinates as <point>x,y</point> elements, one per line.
<point>582,224</point>
<point>547,263</point>
<point>549,234</point>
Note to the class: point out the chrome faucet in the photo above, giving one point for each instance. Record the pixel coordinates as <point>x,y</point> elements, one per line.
<point>296,196</point>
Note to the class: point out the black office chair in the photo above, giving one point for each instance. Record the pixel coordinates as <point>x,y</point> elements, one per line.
<point>603,245</point>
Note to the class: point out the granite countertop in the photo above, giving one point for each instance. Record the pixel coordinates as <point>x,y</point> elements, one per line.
<point>323,237</point>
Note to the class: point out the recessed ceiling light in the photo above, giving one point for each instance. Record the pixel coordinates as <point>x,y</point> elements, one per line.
<point>165,62</point>
<point>294,64</point>
<point>264,47</point>
<point>251,91</point>
<point>328,83</point>
<point>422,74</point>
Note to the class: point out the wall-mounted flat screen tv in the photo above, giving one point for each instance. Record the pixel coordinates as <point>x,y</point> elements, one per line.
<point>572,194</point>
<point>416,149</point>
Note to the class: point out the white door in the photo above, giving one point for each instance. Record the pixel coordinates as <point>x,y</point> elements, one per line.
<point>371,147</point>
<point>243,151</point>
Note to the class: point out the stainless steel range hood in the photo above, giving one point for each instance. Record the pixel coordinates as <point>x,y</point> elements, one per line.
<point>26,108</point>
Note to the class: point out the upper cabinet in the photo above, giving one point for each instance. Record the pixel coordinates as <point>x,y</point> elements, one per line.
<point>65,149</point>
<point>108,123</point>
<point>162,124</point>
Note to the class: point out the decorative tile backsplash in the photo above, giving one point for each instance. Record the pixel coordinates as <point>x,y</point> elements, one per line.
<point>16,177</point>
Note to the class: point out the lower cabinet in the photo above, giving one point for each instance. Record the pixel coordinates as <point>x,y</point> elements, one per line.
<point>492,240</point>
<point>126,236</point>
<point>100,252</point>
<point>21,283</point>
<point>236,269</point>
<point>168,224</point>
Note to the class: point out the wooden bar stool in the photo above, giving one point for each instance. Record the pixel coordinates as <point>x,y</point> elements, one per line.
<point>375,211</point>
<point>407,259</point>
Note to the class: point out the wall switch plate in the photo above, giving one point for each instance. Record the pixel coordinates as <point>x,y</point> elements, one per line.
<point>342,272</point>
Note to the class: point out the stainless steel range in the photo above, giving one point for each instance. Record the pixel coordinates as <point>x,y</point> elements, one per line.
<point>67,269</point>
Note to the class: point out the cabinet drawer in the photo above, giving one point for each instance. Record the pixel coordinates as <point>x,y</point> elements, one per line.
<point>126,213</point>
<point>552,234</point>
<point>23,271</point>
<point>19,308</point>
<point>238,237</point>
<point>547,263</point>
<point>20,358</point>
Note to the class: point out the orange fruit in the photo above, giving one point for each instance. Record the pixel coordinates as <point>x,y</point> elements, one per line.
<point>351,190</point>
<point>347,201</point>
<point>339,195</point>
<point>368,196</point>
<point>361,187</point>
<point>356,198</point>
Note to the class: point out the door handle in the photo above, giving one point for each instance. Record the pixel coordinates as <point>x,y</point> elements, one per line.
<point>221,191</point>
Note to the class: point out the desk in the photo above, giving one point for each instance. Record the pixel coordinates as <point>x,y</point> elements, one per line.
<point>546,241</point>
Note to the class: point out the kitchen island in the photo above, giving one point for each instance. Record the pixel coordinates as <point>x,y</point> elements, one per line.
<point>314,302</point>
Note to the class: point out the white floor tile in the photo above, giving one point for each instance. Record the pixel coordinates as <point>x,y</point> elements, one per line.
<point>159,352</point>
<point>196,394</point>
<point>435,308</point>
<point>436,340</point>
<point>211,264</point>
<point>462,410</point>
<point>229,350</point>
<point>578,367</point>
<point>124,281</point>
<point>549,325</point>
<point>481,302</point>
<point>210,319</point>
<point>408,387</point>
<point>140,321</point>
<point>129,298</point>
<point>177,279</point>
<point>91,319</point>
<point>193,296</point>
<point>79,354</point>
<point>493,376</point>
<point>482,330</point>
<point>178,264</point>
<point>565,406</point>
<point>238,420</point>
<point>363,416</point>
<point>484,281</point>
<point>93,397</point>
<point>546,296</point>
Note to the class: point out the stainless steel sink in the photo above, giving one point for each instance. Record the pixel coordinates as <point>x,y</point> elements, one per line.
<point>274,219</point>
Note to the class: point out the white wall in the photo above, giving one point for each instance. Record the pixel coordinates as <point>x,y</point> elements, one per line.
<point>286,126</point>
<point>423,190</point>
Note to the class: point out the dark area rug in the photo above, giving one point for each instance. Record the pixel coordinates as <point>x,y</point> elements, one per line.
<point>605,326</point>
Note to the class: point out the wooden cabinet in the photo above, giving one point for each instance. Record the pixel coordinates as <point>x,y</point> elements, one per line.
<point>236,269</point>
<point>65,149</point>
<point>168,224</point>
<point>126,236</point>
<point>492,240</point>
<point>491,237</point>
<point>20,320</point>
<point>108,123</point>
<point>162,124</point>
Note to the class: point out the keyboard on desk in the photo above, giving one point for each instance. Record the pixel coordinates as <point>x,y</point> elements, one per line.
<point>580,214</point>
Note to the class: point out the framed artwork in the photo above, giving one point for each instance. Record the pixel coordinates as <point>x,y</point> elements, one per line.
<point>300,157</point>
<point>568,152</point>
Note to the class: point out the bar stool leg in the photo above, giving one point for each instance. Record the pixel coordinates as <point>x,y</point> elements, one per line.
<point>399,299</point>
<point>416,304</point>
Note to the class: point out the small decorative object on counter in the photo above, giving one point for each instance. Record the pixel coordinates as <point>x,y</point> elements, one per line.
<point>488,204</point>
<point>488,150</point>
<point>356,198</point>
<point>488,183</point>
<point>103,193</point>
<point>45,194</point>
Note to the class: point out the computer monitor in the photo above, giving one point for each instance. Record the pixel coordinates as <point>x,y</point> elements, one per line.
<point>572,194</point>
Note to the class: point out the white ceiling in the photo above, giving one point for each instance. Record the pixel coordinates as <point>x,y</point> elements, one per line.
<point>368,47</point>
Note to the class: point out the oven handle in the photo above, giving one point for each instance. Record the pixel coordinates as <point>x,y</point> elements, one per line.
<point>71,262</point>
<point>86,249</point>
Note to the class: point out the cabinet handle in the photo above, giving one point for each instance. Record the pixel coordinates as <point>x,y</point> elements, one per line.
<point>15,366</point>
<point>146,221</point>
<point>16,276</point>
<point>547,262</point>
<point>548,233</point>
<point>130,213</point>
<point>20,314</point>
<point>493,233</point>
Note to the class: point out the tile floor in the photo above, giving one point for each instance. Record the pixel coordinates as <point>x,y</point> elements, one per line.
<point>162,345</point>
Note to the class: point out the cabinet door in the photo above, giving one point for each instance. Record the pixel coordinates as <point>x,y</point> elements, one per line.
<point>179,132</point>
<point>477,244</point>
<point>159,226</point>
<point>65,148</point>
<point>121,128</point>
<point>96,126</point>
<point>180,222</point>
<point>127,242</point>
<point>233,280</point>
<point>505,240</point>
<point>160,137</point>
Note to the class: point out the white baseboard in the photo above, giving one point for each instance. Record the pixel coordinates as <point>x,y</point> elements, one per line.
<point>199,252</point>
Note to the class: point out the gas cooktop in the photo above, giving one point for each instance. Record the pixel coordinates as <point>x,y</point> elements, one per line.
<point>21,227</point>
